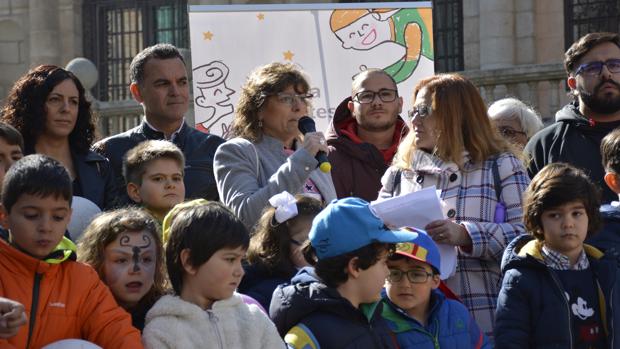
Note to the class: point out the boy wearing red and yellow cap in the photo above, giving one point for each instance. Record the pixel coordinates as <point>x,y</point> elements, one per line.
<point>416,311</point>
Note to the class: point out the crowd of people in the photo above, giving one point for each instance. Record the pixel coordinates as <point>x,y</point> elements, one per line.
<point>196,241</point>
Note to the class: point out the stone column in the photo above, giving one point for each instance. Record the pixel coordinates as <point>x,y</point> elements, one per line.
<point>497,37</point>
<point>44,32</point>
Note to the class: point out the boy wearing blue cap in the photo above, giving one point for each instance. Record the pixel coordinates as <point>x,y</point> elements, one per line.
<point>348,246</point>
<point>419,314</point>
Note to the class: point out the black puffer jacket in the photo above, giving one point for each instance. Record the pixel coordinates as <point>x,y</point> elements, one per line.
<point>572,139</point>
<point>332,319</point>
<point>198,148</point>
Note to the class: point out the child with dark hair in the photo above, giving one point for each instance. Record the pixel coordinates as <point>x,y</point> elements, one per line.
<point>274,255</point>
<point>348,247</point>
<point>124,247</point>
<point>154,171</point>
<point>203,256</point>
<point>11,150</point>
<point>608,239</point>
<point>557,291</point>
<point>63,298</point>
<point>416,311</point>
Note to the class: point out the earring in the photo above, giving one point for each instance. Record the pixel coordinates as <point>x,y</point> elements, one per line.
<point>260,123</point>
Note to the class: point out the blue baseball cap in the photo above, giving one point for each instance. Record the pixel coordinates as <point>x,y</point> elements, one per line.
<point>422,248</point>
<point>348,224</point>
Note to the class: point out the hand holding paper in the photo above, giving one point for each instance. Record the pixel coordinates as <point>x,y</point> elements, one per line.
<point>417,210</point>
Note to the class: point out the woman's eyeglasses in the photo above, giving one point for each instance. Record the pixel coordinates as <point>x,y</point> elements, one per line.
<point>415,276</point>
<point>510,132</point>
<point>291,99</point>
<point>385,95</point>
<point>421,112</point>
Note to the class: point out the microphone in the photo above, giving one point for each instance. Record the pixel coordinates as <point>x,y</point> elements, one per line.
<point>306,124</point>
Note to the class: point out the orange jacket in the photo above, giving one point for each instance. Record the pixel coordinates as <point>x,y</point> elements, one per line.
<point>72,303</point>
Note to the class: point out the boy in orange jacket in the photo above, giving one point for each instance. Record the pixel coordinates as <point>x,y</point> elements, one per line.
<point>63,299</point>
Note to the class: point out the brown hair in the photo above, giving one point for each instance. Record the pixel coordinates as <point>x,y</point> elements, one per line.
<point>333,270</point>
<point>106,228</point>
<point>555,185</point>
<point>25,107</point>
<point>269,246</point>
<point>139,157</point>
<point>582,46</point>
<point>264,81</point>
<point>610,151</point>
<point>462,123</point>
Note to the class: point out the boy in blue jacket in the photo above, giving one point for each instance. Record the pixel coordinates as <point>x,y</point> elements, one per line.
<point>340,308</point>
<point>558,292</point>
<point>416,311</point>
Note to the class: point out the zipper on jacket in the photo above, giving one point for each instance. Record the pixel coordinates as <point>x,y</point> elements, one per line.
<point>570,320</point>
<point>34,306</point>
<point>213,320</point>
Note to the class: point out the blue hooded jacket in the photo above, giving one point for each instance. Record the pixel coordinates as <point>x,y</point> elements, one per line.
<point>450,325</point>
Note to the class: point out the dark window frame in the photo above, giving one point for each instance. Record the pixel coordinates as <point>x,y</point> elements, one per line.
<point>115,31</point>
<point>587,16</point>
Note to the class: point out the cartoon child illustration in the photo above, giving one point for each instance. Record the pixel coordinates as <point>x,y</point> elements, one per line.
<point>212,94</point>
<point>410,29</point>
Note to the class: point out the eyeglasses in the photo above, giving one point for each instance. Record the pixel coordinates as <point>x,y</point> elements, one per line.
<point>385,95</point>
<point>510,133</point>
<point>421,112</point>
<point>415,276</point>
<point>295,242</point>
<point>595,68</point>
<point>290,98</point>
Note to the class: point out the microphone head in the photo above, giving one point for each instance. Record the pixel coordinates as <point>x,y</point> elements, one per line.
<point>306,124</point>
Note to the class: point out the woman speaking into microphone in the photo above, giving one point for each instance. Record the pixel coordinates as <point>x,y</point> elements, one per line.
<point>269,155</point>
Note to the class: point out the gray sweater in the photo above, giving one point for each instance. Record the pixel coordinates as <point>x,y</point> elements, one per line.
<point>247,175</point>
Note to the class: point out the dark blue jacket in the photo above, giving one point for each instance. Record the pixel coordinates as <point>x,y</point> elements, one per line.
<point>450,325</point>
<point>96,179</point>
<point>259,283</point>
<point>609,236</point>
<point>326,317</point>
<point>198,148</point>
<point>532,311</point>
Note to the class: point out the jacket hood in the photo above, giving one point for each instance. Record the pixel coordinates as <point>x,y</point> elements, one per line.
<point>290,304</point>
<point>570,113</point>
<point>525,250</point>
<point>174,306</point>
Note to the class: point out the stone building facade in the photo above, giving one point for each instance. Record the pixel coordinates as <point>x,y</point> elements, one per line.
<point>507,47</point>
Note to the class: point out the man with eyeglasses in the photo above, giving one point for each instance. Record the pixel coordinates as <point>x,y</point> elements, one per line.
<point>593,67</point>
<point>364,134</point>
<point>159,82</point>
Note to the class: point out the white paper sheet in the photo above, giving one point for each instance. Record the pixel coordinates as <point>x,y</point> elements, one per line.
<point>416,210</point>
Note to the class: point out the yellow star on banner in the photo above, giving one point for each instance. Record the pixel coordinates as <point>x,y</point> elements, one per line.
<point>260,16</point>
<point>207,36</point>
<point>288,55</point>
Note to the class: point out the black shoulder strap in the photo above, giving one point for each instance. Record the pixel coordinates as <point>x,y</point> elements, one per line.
<point>396,180</point>
<point>497,181</point>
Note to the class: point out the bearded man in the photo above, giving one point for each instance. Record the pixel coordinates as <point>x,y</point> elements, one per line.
<point>593,67</point>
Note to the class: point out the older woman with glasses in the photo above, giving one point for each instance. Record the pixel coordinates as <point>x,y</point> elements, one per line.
<point>515,120</point>
<point>453,146</point>
<point>269,155</point>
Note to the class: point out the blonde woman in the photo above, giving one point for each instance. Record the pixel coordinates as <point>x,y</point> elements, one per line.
<point>453,146</point>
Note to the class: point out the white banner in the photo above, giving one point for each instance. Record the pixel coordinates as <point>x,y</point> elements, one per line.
<point>331,43</point>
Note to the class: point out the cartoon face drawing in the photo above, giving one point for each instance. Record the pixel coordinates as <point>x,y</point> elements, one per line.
<point>214,95</point>
<point>365,33</point>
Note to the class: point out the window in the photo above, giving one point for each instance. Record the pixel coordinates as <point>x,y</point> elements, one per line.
<point>447,33</point>
<point>115,31</point>
<point>587,16</point>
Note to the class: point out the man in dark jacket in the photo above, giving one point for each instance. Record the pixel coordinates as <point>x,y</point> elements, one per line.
<point>593,67</point>
<point>159,82</point>
<point>364,134</point>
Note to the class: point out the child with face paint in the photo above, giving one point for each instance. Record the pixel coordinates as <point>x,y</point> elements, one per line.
<point>204,249</point>
<point>124,247</point>
<point>274,255</point>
